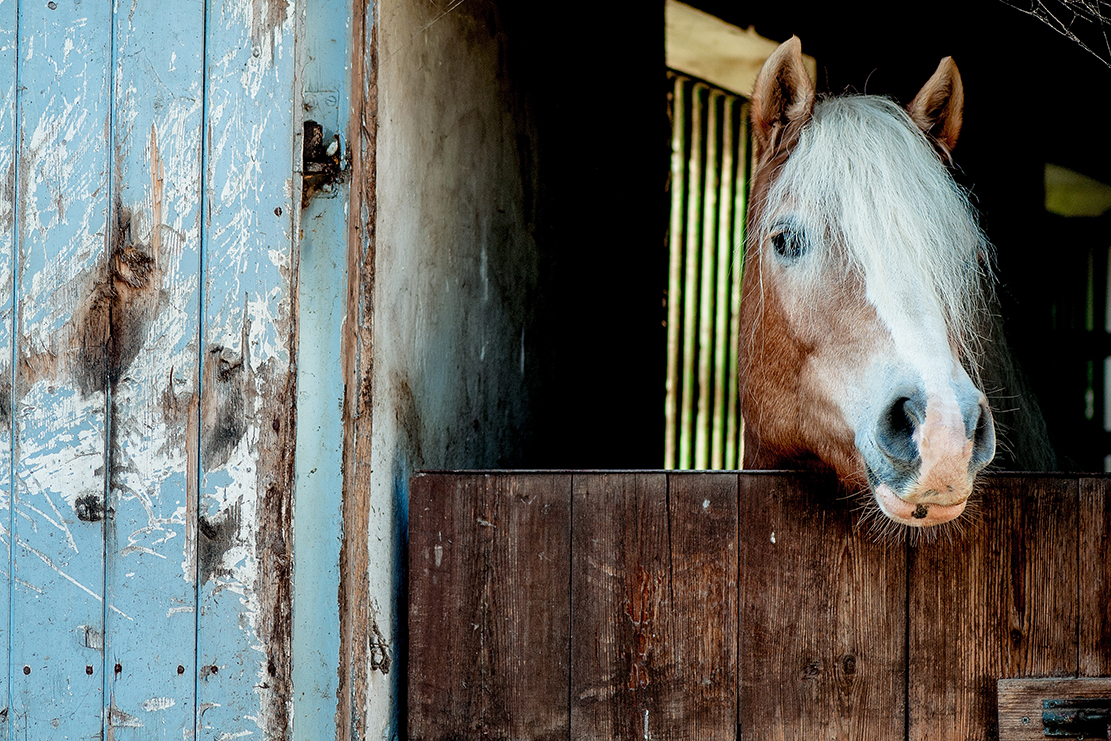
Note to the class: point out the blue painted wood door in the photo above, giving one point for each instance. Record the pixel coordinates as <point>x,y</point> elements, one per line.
<point>147,302</point>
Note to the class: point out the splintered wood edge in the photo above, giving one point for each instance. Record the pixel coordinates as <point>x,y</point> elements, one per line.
<point>1022,698</point>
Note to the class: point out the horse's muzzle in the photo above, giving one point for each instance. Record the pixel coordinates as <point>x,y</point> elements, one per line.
<point>927,454</point>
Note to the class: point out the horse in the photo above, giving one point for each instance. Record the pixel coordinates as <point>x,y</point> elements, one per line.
<point>868,303</point>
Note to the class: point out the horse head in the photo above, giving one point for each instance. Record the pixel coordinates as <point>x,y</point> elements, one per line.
<point>867,280</point>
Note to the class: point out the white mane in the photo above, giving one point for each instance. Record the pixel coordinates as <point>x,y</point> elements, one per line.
<point>864,182</point>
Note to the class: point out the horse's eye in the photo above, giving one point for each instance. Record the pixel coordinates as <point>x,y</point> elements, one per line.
<point>789,244</point>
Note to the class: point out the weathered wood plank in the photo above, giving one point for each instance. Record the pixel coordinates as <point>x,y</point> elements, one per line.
<point>247,384</point>
<point>321,293</point>
<point>60,384</point>
<point>823,616</point>
<point>823,630</point>
<point>1020,703</point>
<point>702,518</point>
<point>620,605</point>
<point>999,601</point>
<point>154,281</point>
<point>8,87</point>
<point>1094,548</point>
<point>363,650</point>
<point>488,606</point>
<point>634,658</point>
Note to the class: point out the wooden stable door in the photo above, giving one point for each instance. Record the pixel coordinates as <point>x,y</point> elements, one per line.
<point>147,356</point>
<point>752,605</point>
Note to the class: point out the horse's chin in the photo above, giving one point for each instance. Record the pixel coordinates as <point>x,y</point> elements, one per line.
<point>914,515</point>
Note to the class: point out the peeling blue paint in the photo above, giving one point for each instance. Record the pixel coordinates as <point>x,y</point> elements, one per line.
<point>322,285</point>
<point>136,139</point>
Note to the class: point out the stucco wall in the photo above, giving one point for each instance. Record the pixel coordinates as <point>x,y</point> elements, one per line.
<point>455,272</point>
<point>456,263</point>
<point>520,207</point>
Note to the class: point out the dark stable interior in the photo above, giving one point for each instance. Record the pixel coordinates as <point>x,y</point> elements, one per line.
<point>1032,97</point>
<point>592,97</point>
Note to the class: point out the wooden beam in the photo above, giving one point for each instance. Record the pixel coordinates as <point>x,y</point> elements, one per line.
<point>707,47</point>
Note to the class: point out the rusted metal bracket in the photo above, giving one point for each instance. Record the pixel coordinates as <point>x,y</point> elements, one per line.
<point>1078,708</point>
<point>1077,718</point>
<point>321,162</point>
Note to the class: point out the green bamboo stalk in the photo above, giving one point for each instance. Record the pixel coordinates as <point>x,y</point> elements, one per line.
<point>675,267</point>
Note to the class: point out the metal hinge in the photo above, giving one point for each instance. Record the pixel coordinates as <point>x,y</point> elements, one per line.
<point>1078,708</point>
<point>321,162</point>
<point>1077,718</point>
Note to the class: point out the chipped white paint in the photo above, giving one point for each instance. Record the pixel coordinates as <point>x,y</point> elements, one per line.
<point>59,230</point>
<point>124,131</point>
<point>119,719</point>
<point>155,704</point>
<point>90,637</point>
<point>249,239</point>
<point>229,736</point>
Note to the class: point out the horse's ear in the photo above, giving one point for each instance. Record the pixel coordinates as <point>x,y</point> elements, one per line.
<point>938,109</point>
<point>782,99</point>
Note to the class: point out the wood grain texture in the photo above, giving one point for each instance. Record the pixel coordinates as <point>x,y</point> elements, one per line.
<point>823,613</point>
<point>248,358</point>
<point>60,389</point>
<point>111,425</point>
<point>1020,703</point>
<point>363,649</point>
<point>8,179</point>
<point>824,643</point>
<point>488,606</point>
<point>1001,601</point>
<point>702,513</point>
<point>653,617</point>
<point>1094,546</point>
<point>153,279</point>
<point>620,607</point>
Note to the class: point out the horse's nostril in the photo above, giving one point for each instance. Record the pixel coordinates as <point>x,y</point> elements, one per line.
<point>983,441</point>
<point>895,433</point>
<point>900,418</point>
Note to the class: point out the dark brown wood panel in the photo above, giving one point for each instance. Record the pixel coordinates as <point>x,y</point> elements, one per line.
<point>1095,577</point>
<point>823,620</point>
<point>999,600</point>
<point>691,605</point>
<point>620,607</point>
<point>654,606</point>
<point>489,600</point>
<point>702,509</point>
